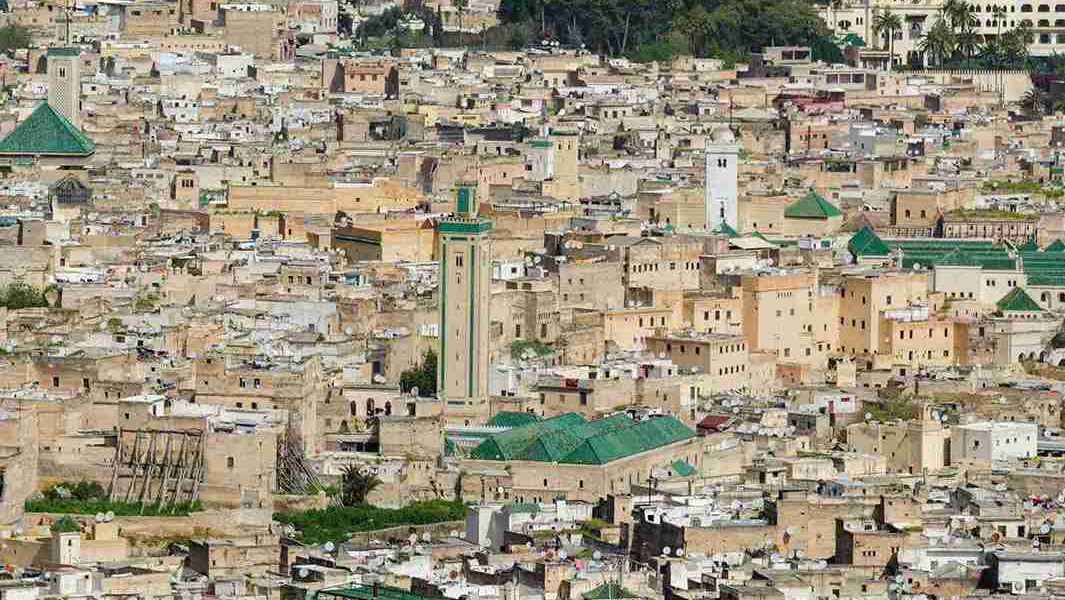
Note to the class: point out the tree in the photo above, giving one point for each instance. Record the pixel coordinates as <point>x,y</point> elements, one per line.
<point>356,485</point>
<point>422,377</point>
<point>14,37</point>
<point>20,295</point>
<point>886,23</point>
<point>938,42</point>
<point>1034,102</point>
<point>460,8</point>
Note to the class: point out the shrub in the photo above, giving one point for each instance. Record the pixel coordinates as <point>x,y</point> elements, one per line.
<point>337,523</point>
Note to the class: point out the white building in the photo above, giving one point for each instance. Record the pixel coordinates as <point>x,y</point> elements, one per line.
<point>993,441</point>
<point>722,188</point>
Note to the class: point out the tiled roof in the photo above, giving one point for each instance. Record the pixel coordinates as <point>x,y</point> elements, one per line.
<point>1056,246</point>
<point>811,206</point>
<point>867,243</point>
<point>46,131</point>
<point>1029,246</point>
<point>509,444</point>
<point>725,229</point>
<point>682,468</point>
<point>569,439</point>
<point>607,591</point>
<point>1018,300</point>
<point>512,419</point>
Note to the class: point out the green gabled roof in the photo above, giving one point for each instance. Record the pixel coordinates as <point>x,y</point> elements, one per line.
<point>867,243</point>
<point>1018,300</point>
<point>1056,246</point>
<point>682,468</point>
<point>512,419</point>
<point>1029,246</point>
<point>46,131</point>
<point>725,229</point>
<point>523,507</point>
<point>450,449</point>
<point>607,591</point>
<point>553,446</point>
<point>641,437</point>
<point>509,444</point>
<point>811,206</point>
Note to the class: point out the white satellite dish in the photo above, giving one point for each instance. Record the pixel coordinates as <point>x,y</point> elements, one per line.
<point>1044,528</point>
<point>426,537</point>
<point>110,516</point>
<point>328,546</point>
<point>597,555</point>
<point>418,548</point>
<point>679,552</point>
<point>666,550</point>
<point>563,555</point>
<point>100,517</point>
<point>413,538</point>
<point>303,573</point>
<point>868,416</point>
<point>453,533</point>
<point>414,391</point>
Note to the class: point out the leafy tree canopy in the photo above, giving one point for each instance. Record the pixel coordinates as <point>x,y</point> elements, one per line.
<point>422,377</point>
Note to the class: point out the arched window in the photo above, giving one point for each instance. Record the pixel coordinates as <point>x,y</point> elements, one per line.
<point>1044,23</point>
<point>354,408</point>
<point>388,407</point>
<point>1026,8</point>
<point>369,407</point>
<point>1044,8</point>
<point>230,463</point>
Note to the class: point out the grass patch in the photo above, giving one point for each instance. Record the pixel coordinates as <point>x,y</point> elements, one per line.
<point>337,523</point>
<point>890,409</point>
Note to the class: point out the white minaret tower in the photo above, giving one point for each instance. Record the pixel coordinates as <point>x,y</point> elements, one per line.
<point>722,189</point>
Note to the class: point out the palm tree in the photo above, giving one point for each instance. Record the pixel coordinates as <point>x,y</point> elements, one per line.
<point>1034,102</point>
<point>887,23</point>
<point>967,43</point>
<point>355,485</point>
<point>460,7</point>
<point>938,43</point>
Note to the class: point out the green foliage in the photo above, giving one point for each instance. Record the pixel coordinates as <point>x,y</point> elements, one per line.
<point>80,490</point>
<point>518,348</point>
<point>146,302</point>
<point>337,523</point>
<point>648,30</point>
<point>121,509</point>
<point>382,24</point>
<point>422,377</point>
<point>356,485</point>
<point>662,50</point>
<point>890,409</point>
<point>825,49</point>
<point>14,37</point>
<point>21,295</point>
<point>65,525</point>
<point>114,325</point>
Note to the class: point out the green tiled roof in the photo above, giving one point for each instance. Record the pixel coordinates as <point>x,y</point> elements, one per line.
<point>509,444</point>
<point>361,592</point>
<point>682,468</point>
<point>569,439</point>
<point>1018,300</point>
<point>523,507</point>
<point>1056,246</point>
<point>725,229</point>
<point>46,131</point>
<point>811,206</point>
<point>64,51</point>
<point>607,591</point>
<point>641,437</point>
<point>867,243</point>
<point>1029,246</point>
<point>512,419</point>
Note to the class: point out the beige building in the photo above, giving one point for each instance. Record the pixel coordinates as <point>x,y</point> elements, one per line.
<point>916,447</point>
<point>862,299</point>
<point>722,358</point>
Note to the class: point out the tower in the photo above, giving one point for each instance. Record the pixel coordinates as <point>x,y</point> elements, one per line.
<point>722,189</point>
<point>566,160</point>
<point>465,279</point>
<point>64,83</point>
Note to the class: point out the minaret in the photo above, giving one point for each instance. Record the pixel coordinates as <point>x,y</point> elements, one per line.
<point>722,188</point>
<point>64,83</point>
<point>465,257</point>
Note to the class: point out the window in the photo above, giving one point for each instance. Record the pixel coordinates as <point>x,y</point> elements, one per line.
<point>458,260</point>
<point>55,382</point>
<point>230,462</point>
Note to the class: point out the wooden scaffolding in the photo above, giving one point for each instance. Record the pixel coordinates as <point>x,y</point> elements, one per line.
<point>160,467</point>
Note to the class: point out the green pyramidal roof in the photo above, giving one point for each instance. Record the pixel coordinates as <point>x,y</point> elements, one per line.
<point>1056,246</point>
<point>811,206</point>
<point>1029,246</point>
<point>725,229</point>
<point>868,243</point>
<point>1018,300</point>
<point>46,131</point>
<point>511,419</point>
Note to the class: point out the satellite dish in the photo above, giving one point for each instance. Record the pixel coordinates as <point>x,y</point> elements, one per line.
<point>563,555</point>
<point>597,555</point>
<point>868,416</point>
<point>665,550</point>
<point>100,517</point>
<point>679,552</point>
<point>418,548</point>
<point>110,516</point>
<point>413,538</point>
<point>898,579</point>
<point>916,266</point>
<point>347,330</point>
<point>426,537</point>
<point>328,546</point>
<point>304,573</point>
<point>453,533</point>
<point>414,391</point>
<point>290,530</point>
<point>528,261</point>
<point>1044,528</point>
